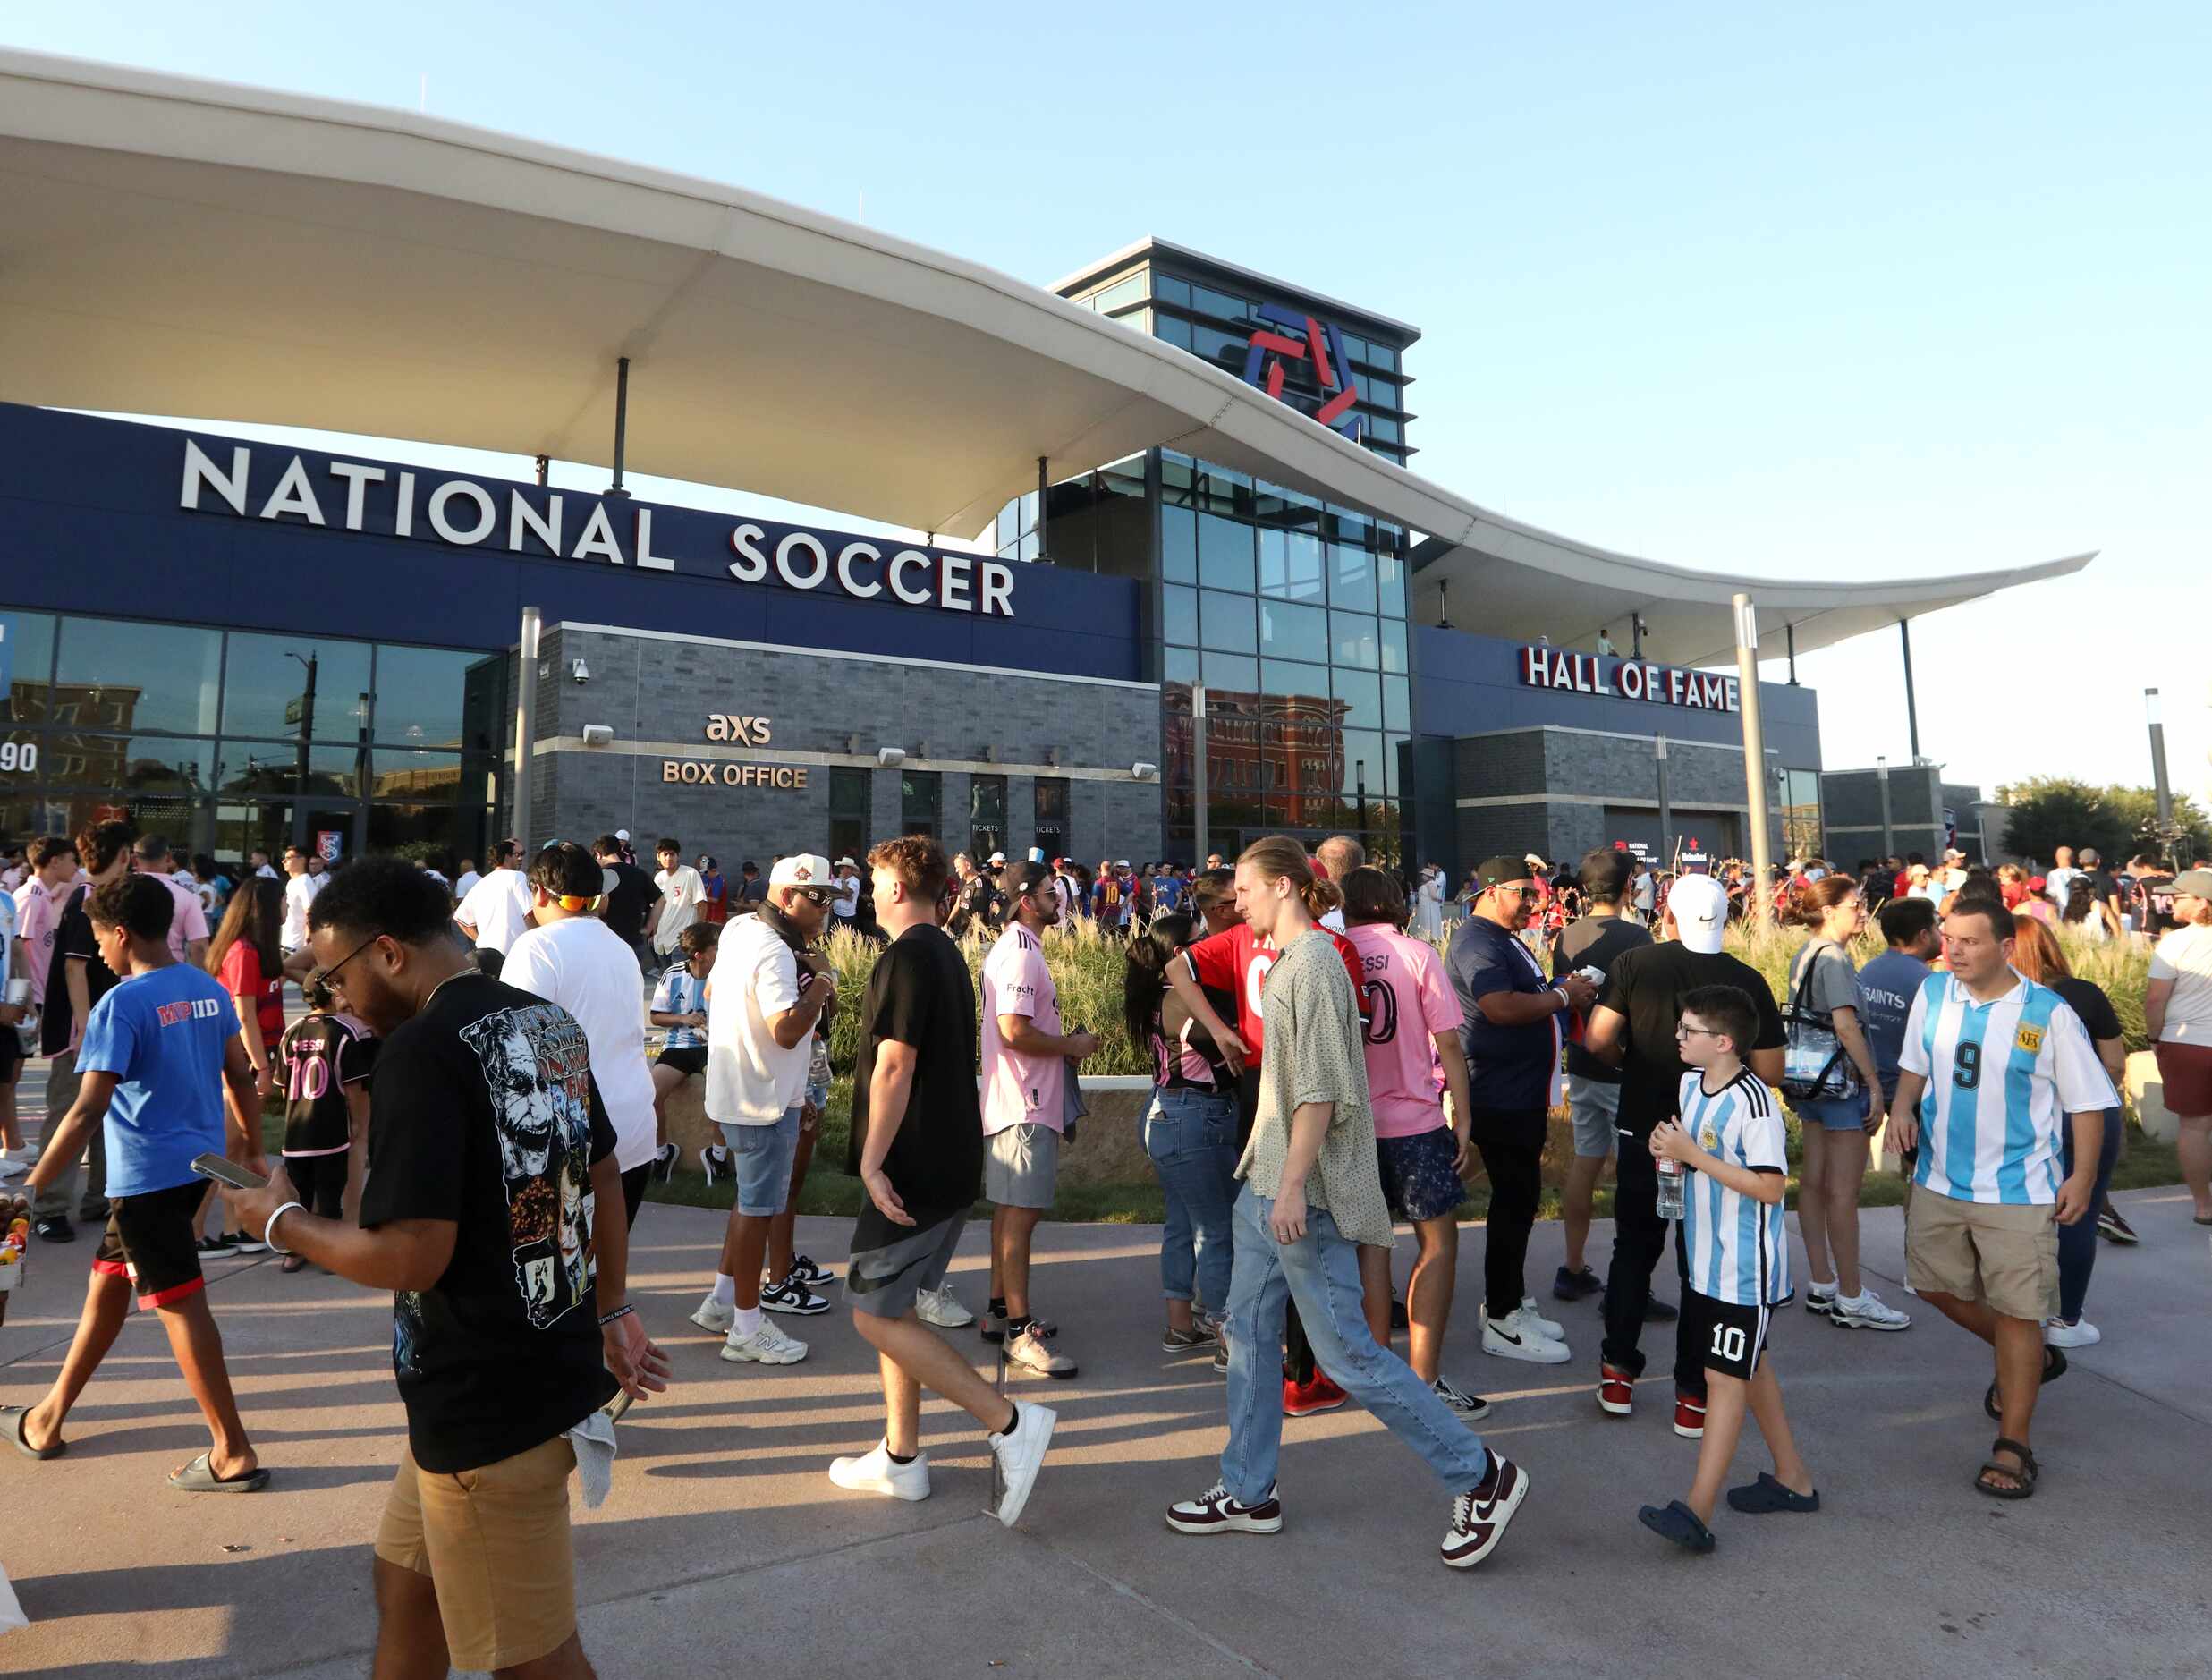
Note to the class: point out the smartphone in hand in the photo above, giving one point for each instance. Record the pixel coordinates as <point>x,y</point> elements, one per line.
<point>225,1171</point>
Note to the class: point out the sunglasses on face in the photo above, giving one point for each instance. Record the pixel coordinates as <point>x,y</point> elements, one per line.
<point>818,895</point>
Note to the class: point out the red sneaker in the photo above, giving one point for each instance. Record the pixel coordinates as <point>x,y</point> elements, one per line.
<point>1616,1392</point>
<point>1689,1416</point>
<point>1303,1400</point>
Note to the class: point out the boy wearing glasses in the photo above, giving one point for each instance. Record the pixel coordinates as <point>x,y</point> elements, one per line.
<point>1730,1136</point>
<point>763,1002</point>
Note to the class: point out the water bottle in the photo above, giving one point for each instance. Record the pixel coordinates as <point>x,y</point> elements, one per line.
<point>1670,1187</point>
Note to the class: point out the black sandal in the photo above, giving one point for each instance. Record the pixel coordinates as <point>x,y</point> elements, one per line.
<point>2025,1475</point>
<point>2053,1368</point>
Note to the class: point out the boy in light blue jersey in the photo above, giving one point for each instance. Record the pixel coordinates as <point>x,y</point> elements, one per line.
<point>1729,1132</point>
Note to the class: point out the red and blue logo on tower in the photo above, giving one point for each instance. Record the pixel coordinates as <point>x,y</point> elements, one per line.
<point>1289,336</point>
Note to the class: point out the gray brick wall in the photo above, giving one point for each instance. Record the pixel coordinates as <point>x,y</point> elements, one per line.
<point>650,690</point>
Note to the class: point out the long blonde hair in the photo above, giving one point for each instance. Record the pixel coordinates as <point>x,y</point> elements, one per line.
<point>1280,858</point>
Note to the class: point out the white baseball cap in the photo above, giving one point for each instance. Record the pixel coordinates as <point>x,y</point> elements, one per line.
<point>1699,907</point>
<point>622,833</point>
<point>996,857</point>
<point>803,868</point>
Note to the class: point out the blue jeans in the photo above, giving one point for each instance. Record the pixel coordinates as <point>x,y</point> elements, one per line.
<point>1191,1136</point>
<point>1321,1272</point>
<point>2077,1242</point>
<point>763,1155</point>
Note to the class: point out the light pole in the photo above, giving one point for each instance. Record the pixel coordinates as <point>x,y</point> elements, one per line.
<point>2154,714</point>
<point>306,733</point>
<point>1881,771</point>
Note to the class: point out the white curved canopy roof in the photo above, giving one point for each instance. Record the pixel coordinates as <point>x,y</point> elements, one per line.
<point>173,246</point>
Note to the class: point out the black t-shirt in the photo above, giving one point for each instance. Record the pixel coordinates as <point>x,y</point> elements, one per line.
<point>2088,1000</point>
<point>321,1056</point>
<point>1647,986</point>
<point>1593,942</point>
<point>73,943</point>
<point>483,1113</point>
<point>979,907</point>
<point>2099,884</point>
<point>919,994</point>
<point>627,901</point>
<point>2150,897</point>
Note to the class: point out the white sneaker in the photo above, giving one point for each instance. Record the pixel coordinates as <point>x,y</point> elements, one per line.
<point>1867,1311</point>
<point>1820,1300</point>
<point>712,1315</point>
<point>2080,1333</point>
<point>1019,1455</point>
<point>1032,1351</point>
<point>766,1345</point>
<point>1510,1338</point>
<point>1550,1329</point>
<point>941,1307</point>
<point>876,1472</point>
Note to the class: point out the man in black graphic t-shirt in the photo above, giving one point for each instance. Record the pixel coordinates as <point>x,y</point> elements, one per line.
<point>494,1192</point>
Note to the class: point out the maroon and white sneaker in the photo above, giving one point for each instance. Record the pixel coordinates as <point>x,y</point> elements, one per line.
<point>1689,1416</point>
<point>1479,1517</point>
<point>1214,1512</point>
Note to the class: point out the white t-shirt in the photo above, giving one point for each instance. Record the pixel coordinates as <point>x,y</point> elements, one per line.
<point>682,892</point>
<point>2185,957</point>
<point>469,878</point>
<point>581,964</point>
<point>266,873</point>
<point>751,1080</point>
<point>847,904</point>
<point>499,908</point>
<point>299,894</point>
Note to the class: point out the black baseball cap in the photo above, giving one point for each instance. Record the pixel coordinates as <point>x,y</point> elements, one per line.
<point>1025,878</point>
<point>1498,870</point>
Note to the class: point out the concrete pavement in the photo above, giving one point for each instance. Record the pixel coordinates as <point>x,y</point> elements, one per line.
<point>724,1548</point>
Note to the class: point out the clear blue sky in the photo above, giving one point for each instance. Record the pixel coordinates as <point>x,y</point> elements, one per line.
<point>1787,290</point>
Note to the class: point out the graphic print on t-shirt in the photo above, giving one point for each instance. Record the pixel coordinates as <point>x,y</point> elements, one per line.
<point>537,1071</point>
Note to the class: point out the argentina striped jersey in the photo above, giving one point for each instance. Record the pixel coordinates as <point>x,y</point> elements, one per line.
<point>1735,1244</point>
<point>2002,1078</point>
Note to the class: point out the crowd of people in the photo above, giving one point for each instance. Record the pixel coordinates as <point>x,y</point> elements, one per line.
<point>472,1118</point>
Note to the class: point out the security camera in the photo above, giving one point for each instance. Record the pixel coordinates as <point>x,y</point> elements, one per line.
<point>891,757</point>
<point>581,671</point>
<point>1142,771</point>
<point>597,735</point>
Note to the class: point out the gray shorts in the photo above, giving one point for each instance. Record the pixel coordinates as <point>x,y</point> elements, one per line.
<point>1595,1107</point>
<point>1021,1165</point>
<point>884,1281</point>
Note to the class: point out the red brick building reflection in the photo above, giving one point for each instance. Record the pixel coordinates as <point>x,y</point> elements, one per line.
<point>1278,757</point>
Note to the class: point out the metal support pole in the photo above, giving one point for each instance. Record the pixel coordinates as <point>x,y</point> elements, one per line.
<point>1359,780</point>
<point>1913,713</point>
<point>1758,903</point>
<point>622,422</point>
<point>2152,710</point>
<point>1635,635</point>
<point>545,470</point>
<point>1044,547</point>
<point>1790,633</point>
<point>1666,805</point>
<point>526,726</point>
<point>1198,775</point>
<point>1889,840</point>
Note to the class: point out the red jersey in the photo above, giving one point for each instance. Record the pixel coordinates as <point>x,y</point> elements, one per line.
<point>1237,962</point>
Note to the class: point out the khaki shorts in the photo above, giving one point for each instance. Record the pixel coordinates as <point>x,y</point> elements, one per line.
<point>1978,1251</point>
<point>495,1541</point>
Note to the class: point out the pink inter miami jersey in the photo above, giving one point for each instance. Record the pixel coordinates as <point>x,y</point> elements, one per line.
<point>1408,999</point>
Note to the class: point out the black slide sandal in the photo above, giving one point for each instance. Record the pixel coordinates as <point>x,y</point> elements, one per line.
<point>16,1419</point>
<point>1679,1523</point>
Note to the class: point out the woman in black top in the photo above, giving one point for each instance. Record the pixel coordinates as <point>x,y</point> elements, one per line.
<point>1190,1131</point>
<point>2037,955</point>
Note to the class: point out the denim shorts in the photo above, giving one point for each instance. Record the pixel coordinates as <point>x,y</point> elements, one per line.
<point>763,1155</point>
<point>1417,1172</point>
<point>1832,1113</point>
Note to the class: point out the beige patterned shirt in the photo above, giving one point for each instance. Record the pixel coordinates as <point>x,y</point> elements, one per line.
<point>1312,1053</point>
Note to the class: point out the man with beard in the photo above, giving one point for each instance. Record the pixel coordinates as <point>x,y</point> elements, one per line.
<point>491,1146</point>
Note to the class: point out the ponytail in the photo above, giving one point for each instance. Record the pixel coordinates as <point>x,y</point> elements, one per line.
<point>1321,896</point>
<point>1808,906</point>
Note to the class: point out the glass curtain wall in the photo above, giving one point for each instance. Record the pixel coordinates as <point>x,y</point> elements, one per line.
<point>232,741</point>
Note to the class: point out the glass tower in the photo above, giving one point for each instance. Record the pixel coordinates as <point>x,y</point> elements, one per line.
<point>1290,611</point>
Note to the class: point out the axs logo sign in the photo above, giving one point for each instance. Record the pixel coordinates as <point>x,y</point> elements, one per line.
<point>746,732</point>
